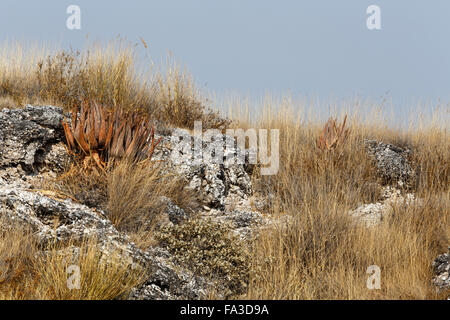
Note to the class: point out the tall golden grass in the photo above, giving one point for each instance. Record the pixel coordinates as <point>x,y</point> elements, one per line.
<point>107,73</point>
<point>27,272</point>
<point>322,253</point>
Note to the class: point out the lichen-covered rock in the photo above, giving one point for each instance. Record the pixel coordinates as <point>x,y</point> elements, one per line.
<point>168,281</point>
<point>214,181</point>
<point>441,269</point>
<point>373,213</point>
<point>26,134</point>
<point>52,219</point>
<point>224,187</point>
<point>175,213</point>
<point>32,149</point>
<point>60,220</point>
<point>31,146</point>
<point>244,223</point>
<point>210,250</point>
<point>392,163</point>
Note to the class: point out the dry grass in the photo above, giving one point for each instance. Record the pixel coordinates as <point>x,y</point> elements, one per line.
<point>134,198</point>
<point>129,193</point>
<point>322,254</point>
<point>29,273</point>
<point>107,74</point>
<point>17,251</point>
<point>101,278</point>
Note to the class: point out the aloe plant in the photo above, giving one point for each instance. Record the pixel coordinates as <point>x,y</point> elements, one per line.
<point>332,134</point>
<point>96,133</point>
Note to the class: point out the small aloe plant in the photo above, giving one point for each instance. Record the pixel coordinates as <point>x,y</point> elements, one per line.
<point>332,135</point>
<point>101,135</point>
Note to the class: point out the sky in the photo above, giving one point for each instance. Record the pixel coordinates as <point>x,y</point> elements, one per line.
<point>319,48</point>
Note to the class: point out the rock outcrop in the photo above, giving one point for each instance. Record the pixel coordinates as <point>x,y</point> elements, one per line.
<point>396,173</point>
<point>30,145</point>
<point>441,269</point>
<point>392,163</point>
<point>26,135</point>
<point>373,213</point>
<point>217,182</point>
<point>32,149</point>
<point>225,188</point>
<point>60,220</point>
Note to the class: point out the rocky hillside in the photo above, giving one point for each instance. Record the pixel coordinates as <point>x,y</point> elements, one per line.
<point>230,213</point>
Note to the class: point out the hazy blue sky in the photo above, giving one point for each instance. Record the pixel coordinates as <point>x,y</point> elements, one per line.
<point>315,47</point>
